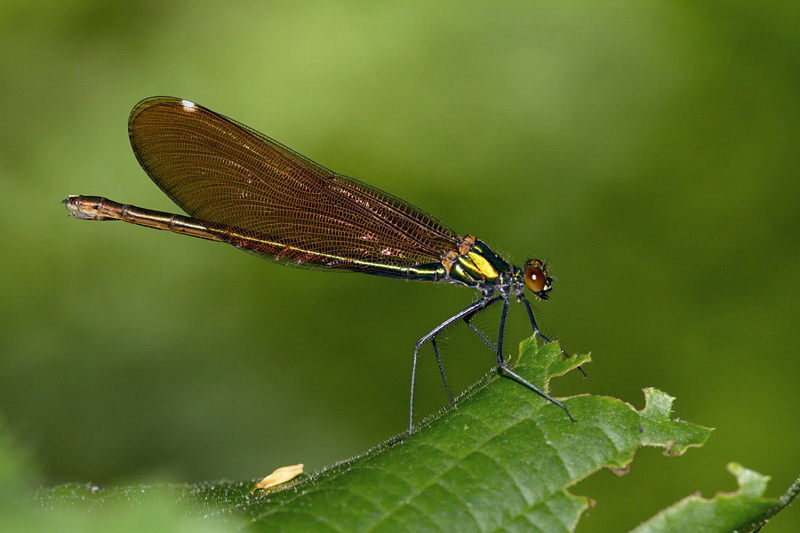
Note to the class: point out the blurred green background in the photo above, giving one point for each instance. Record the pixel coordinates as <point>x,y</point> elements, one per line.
<point>647,150</point>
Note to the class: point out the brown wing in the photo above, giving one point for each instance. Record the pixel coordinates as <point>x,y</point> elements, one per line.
<point>297,211</point>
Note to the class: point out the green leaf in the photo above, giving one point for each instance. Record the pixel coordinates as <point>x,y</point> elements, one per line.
<point>500,457</point>
<point>744,510</point>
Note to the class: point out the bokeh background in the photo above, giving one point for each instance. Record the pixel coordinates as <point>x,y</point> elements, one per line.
<point>649,151</point>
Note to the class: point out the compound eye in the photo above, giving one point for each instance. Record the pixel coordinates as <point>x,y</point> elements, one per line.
<point>535,277</point>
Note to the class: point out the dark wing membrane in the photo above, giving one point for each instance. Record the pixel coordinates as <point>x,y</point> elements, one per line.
<point>288,208</point>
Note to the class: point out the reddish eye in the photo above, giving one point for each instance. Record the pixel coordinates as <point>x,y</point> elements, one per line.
<point>536,277</point>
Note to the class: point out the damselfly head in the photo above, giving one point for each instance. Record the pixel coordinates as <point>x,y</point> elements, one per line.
<point>536,278</point>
